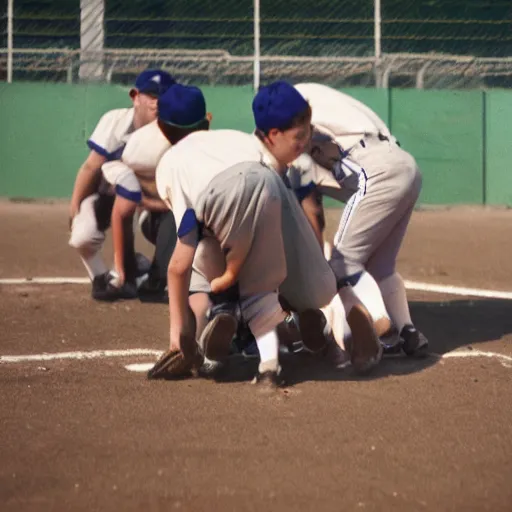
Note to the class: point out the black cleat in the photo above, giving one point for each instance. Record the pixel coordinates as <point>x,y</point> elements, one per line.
<point>391,343</point>
<point>154,291</point>
<point>104,290</point>
<point>413,342</point>
<point>312,324</point>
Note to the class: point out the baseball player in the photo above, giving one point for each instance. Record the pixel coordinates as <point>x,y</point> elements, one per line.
<point>133,177</point>
<point>229,198</point>
<point>92,199</point>
<point>356,145</point>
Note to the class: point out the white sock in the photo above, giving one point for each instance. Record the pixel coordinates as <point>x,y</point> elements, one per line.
<point>268,346</point>
<point>395,298</point>
<point>335,316</point>
<point>348,298</point>
<point>327,250</point>
<point>368,292</point>
<point>94,265</point>
<point>347,332</point>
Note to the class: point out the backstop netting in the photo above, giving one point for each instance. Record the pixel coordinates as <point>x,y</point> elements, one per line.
<point>404,43</point>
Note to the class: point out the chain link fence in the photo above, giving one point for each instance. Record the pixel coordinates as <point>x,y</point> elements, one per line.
<point>423,43</point>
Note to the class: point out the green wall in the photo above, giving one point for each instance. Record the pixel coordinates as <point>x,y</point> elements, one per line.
<point>44,130</point>
<point>462,140</point>
<point>498,147</point>
<point>443,130</point>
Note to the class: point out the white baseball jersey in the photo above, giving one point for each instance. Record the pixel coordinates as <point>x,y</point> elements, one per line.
<point>187,168</point>
<point>112,132</point>
<point>340,116</point>
<point>223,158</point>
<point>135,172</point>
<point>388,182</point>
<point>304,173</point>
<point>345,121</point>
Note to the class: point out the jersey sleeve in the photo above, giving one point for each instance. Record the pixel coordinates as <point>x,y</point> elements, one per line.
<point>172,186</point>
<point>105,137</point>
<point>145,147</point>
<point>305,174</point>
<point>123,179</point>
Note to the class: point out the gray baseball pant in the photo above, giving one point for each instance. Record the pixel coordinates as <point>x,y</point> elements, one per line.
<point>375,219</point>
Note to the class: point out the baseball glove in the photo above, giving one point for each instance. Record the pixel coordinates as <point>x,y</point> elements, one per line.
<point>174,364</point>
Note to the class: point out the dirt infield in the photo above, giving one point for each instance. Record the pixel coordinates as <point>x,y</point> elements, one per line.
<point>87,434</point>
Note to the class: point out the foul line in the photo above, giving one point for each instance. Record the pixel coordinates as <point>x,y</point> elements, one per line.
<point>410,285</point>
<point>103,354</point>
<point>79,355</point>
<point>46,280</point>
<point>504,360</point>
<point>478,353</point>
<point>457,290</point>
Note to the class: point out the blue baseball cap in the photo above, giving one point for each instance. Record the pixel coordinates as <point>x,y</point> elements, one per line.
<point>183,106</point>
<point>153,81</point>
<point>276,105</point>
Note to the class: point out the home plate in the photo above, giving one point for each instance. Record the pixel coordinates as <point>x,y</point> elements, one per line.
<point>139,367</point>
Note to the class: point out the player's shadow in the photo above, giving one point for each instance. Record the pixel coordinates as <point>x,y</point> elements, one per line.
<point>452,324</point>
<point>448,325</point>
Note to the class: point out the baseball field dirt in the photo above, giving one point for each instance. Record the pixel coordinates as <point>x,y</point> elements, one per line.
<point>80,432</point>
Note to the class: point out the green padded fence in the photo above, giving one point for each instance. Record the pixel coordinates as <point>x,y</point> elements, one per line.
<point>498,147</point>
<point>443,130</point>
<point>461,139</point>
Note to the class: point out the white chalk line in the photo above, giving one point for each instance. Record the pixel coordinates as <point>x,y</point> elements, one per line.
<point>80,355</point>
<point>139,367</point>
<point>457,290</point>
<point>505,360</point>
<point>45,280</point>
<point>410,285</point>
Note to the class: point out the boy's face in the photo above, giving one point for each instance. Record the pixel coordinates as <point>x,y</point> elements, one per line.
<point>288,145</point>
<point>145,106</point>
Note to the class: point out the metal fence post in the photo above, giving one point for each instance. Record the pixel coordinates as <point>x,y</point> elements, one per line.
<point>92,39</point>
<point>9,40</point>
<point>257,51</point>
<point>377,36</point>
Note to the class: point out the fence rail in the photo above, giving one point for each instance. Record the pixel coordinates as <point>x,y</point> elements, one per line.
<point>217,66</point>
<point>448,43</point>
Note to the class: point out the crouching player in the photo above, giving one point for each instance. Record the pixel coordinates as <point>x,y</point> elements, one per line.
<point>92,198</point>
<point>133,177</point>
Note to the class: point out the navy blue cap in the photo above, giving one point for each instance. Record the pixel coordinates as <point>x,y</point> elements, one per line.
<point>276,105</point>
<point>154,82</point>
<point>182,105</point>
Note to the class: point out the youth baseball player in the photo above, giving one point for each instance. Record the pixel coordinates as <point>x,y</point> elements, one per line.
<point>133,177</point>
<point>228,187</point>
<point>92,198</point>
<point>352,141</point>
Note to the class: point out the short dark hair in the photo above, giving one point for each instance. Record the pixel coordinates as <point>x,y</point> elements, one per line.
<point>175,133</point>
<point>302,117</point>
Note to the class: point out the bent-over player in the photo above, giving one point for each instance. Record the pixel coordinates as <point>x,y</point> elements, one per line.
<point>351,140</point>
<point>92,199</point>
